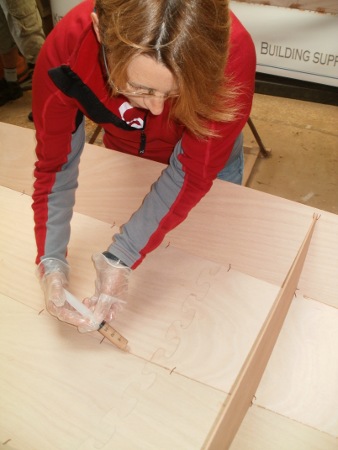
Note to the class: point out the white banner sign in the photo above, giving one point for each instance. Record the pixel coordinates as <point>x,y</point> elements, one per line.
<point>292,43</point>
<point>61,7</point>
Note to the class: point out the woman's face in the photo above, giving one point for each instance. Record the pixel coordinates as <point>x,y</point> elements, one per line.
<point>145,74</point>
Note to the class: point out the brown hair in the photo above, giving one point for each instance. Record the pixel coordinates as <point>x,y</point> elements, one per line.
<point>190,37</point>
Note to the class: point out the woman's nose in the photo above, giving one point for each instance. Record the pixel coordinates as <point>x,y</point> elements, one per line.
<point>155,105</point>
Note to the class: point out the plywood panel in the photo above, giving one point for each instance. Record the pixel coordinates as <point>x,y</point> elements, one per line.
<point>262,429</point>
<point>17,146</point>
<point>175,299</point>
<point>18,250</point>
<point>232,224</point>
<point>63,391</point>
<point>195,317</point>
<point>47,364</point>
<point>301,378</point>
<point>260,236</point>
<point>112,184</point>
<point>256,233</point>
<point>60,390</point>
<point>243,390</point>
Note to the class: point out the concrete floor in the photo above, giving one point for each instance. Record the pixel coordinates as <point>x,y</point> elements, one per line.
<point>302,137</point>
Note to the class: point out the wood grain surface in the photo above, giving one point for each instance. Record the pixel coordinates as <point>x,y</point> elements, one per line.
<point>195,306</point>
<point>257,233</point>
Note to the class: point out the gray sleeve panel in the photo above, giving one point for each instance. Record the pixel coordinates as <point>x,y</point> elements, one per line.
<point>62,198</point>
<point>144,222</point>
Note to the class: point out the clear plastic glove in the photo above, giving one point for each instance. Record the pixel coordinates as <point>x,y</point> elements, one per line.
<point>53,276</point>
<point>111,287</point>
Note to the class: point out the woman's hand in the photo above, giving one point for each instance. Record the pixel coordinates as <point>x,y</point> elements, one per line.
<point>111,287</point>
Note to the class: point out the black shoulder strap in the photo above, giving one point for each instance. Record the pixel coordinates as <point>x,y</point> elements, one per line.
<point>72,86</point>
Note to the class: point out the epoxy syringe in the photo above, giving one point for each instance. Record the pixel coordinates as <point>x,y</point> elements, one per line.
<point>104,328</point>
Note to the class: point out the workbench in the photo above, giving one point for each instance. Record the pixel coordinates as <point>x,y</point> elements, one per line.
<point>194,308</point>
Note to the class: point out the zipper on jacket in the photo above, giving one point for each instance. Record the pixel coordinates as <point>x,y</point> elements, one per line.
<point>143,141</point>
